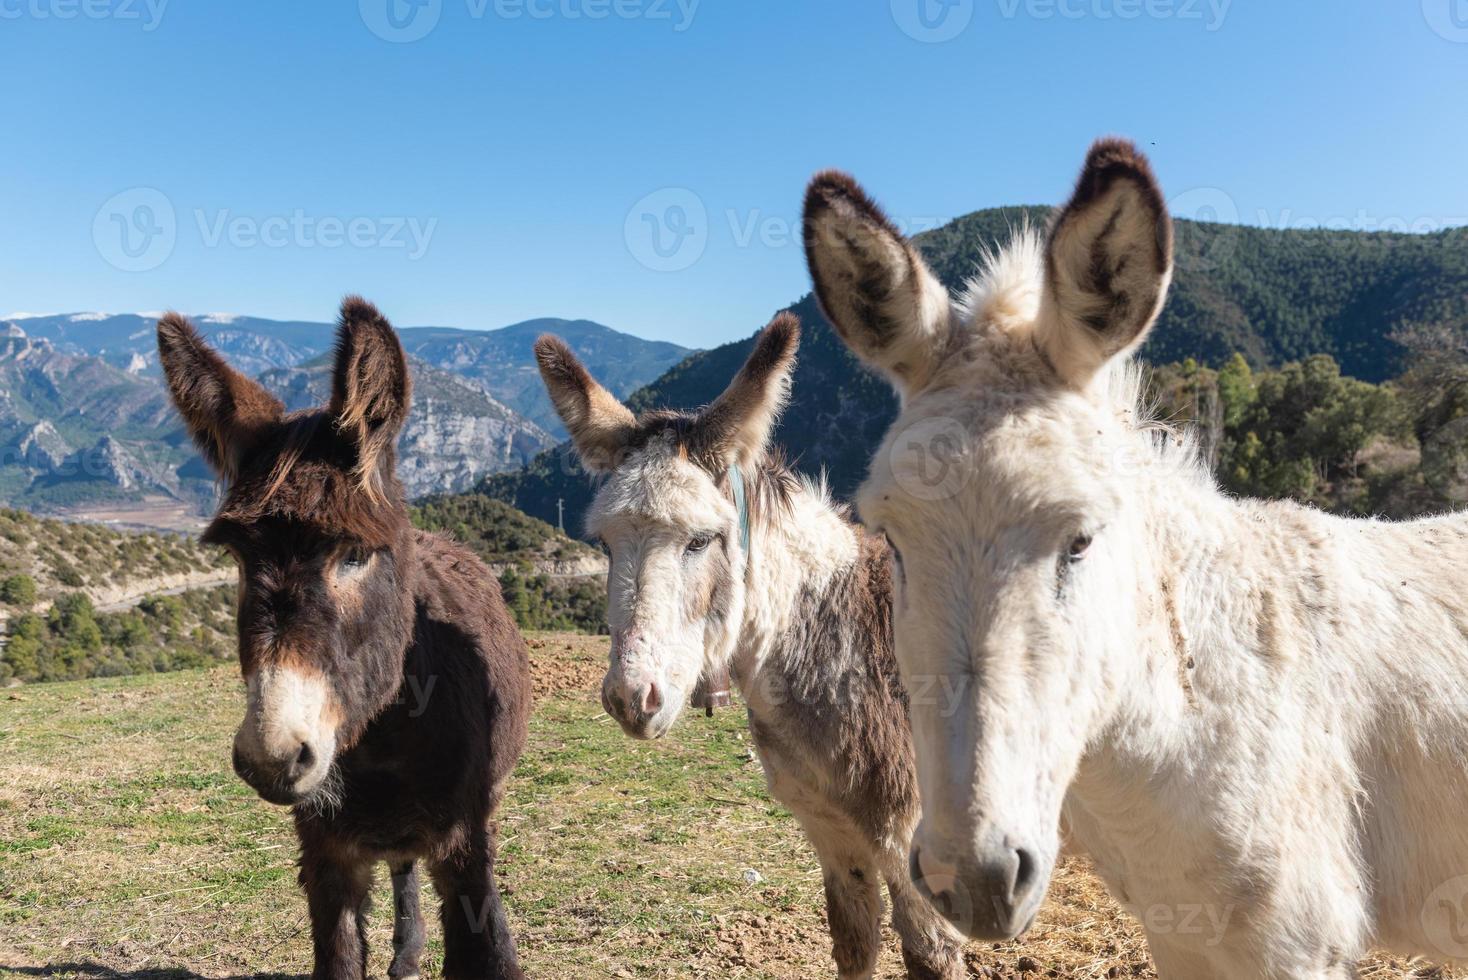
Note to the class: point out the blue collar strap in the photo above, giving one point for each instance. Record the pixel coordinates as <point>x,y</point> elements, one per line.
<point>713,692</point>
<point>741,504</point>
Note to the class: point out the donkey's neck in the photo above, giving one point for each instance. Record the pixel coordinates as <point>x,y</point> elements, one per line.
<point>1209,568</point>
<point>1255,615</point>
<point>1142,788</point>
<point>795,550</point>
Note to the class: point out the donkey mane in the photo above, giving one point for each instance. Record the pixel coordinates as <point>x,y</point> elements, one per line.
<point>312,482</point>
<point>1003,295</point>
<point>770,488</point>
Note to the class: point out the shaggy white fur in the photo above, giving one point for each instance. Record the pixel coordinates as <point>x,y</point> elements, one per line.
<point>1253,716</point>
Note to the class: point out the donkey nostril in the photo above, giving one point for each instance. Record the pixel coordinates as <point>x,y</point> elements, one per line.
<point>305,758</point>
<point>934,876</point>
<point>1026,871</point>
<point>652,700</point>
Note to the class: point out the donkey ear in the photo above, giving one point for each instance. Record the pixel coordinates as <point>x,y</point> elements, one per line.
<point>736,427</point>
<point>600,426</point>
<point>371,390</point>
<point>225,412</point>
<point>872,284</point>
<point>1108,263</point>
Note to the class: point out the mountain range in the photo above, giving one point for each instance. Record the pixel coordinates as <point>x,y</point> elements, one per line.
<point>83,415</point>
<point>85,420</point>
<point>1272,295</point>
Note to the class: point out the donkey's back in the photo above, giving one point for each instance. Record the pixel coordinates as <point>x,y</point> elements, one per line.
<point>432,767</point>
<point>467,634</point>
<point>1402,612</point>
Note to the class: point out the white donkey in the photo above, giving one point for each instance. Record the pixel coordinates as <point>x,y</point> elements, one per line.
<point>721,558</point>
<point>1252,715</point>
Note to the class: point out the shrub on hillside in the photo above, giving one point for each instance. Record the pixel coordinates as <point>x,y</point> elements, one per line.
<point>73,641</point>
<point>19,591</point>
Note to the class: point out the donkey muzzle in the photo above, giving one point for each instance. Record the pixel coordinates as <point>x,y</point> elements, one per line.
<point>634,703</point>
<point>990,893</point>
<point>285,746</point>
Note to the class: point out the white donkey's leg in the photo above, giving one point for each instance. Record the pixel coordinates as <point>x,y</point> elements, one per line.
<point>1176,960</point>
<point>931,948</point>
<point>853,897</point>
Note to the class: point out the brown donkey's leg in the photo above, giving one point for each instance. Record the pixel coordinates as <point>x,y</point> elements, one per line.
<point>853,898</point>
<point>930,949</point>
<point>407,922</point>
<point>476,933</point>
<point>336,894</point>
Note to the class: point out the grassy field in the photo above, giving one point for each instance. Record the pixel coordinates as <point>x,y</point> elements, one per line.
<point>129,850</point>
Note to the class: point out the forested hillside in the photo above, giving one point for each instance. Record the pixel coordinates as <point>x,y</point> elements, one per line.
<point>549,581</point>
<point>1273,296</point>
<point>78,600</point>
<point>1270,297</point>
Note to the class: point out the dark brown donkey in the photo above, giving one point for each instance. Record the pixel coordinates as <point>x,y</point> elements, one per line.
<point>388,687</point>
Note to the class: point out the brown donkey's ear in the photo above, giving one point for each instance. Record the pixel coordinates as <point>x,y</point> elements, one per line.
<point>1108,262</point>
<point>226,412</point>
<point>872,284</point>
<point>371,390</point>
<point>600,425</point>
<point>736,427</point>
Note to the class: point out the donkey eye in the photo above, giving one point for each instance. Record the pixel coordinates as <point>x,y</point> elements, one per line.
<point>356,560</point>
<point>699,543</point>
<point>1078,548</point>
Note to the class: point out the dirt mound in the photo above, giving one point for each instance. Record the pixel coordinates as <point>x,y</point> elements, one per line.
<point>563,663</point>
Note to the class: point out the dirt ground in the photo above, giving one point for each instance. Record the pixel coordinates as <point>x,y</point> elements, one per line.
<point>128,850</point>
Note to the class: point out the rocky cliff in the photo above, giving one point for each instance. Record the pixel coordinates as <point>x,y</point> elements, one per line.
<point>455,435</point>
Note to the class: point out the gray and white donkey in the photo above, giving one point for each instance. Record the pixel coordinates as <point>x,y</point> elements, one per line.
<point>723,560</point>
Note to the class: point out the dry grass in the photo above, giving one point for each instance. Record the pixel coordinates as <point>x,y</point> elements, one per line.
<point>128,850</point>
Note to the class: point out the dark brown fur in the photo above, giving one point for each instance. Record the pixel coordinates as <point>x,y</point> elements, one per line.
<point>425,666</point>
<point>226,412</point>
<point>864,731</point>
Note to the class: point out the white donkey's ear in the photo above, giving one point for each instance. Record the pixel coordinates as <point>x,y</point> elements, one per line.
<point>601,427</point>
<point>736,427</point>
<point>873,285</point>
<point>1108,262</point>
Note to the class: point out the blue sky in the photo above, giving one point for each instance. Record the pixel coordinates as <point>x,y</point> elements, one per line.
<point>517,159</point>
